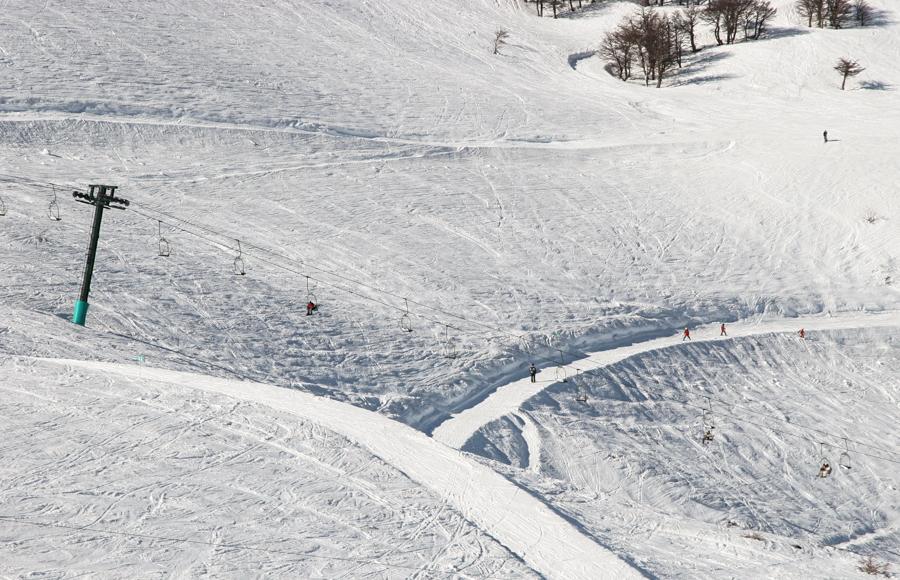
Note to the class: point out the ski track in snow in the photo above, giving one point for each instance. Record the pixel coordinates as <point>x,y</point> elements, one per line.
<point>529,190</point>
<point>459,428</point>
<point>529,528</point>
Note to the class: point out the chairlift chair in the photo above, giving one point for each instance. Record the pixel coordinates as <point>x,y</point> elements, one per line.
<point>164,250</point>
<point>581,397</point>
<point>449,349</point>
<point>53,210</point>
<point>708,424</point>
<point>561,374</point>
<point>405,322</point>
<point>844,459</point>
<point>239,267</point>
<point>825,468</point>
<point>310,296</point>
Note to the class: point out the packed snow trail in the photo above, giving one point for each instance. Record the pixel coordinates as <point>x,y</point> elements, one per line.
<point>458,429</point>
<point>526,526</point>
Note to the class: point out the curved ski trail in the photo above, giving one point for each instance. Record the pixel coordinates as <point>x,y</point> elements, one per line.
<point>507,399</point>
<point>543,539</point>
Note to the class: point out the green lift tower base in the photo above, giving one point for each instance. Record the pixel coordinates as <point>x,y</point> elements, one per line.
<point>101,197</point>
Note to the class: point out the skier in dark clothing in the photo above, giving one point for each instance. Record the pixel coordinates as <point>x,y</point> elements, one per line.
<point>533,372</point>
<point>825,135</point>
<point>722,330</point>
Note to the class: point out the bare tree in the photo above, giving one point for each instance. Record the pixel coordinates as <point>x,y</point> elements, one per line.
<point>847,68</point>
<point>648,38</point>
<point>839,12</point>
<point>500,37</point>
<point>812,10</point>
<point>727,16</point>
<point>862,11</point>
<point>619,47</point>
<point>806,9</point>
<point>555,5</point>
<point>687,20</point>
<point>713,16</point>
<point>757,17</point>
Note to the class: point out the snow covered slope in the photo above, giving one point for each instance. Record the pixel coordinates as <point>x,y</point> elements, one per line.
<point>126,478</point>
<point>512,204</point>
<point>382,142</point>
<point>545,541</point>
<point>630,462</point>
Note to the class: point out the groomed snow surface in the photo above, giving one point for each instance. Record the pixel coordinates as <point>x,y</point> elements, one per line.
<point>529,207</point>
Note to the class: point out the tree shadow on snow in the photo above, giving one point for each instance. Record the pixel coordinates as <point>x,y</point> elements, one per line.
<point>779,33</point>
<point>875,86</point>
<point>586,11</point>
<point>690,73</point>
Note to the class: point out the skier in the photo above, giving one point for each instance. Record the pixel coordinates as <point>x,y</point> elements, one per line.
<point>686,335</point>
<point>708,436</point>
<point>722,330</point>
<point>311,307</point>
<point>802,333</point>
<point>825,470</point>
<point>533,372</point>
<point>825,135</point>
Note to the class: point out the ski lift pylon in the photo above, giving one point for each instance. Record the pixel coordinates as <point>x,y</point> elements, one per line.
<point>163,250</point>
<point>239,268</point>
<point>53,208</point>
<point>405,323</point>
<point>2,207</point>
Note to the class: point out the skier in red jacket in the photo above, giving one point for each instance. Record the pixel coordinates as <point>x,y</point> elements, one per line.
<point>686,335</point>
<point>802,333</point>
<point>722,330</point>
<point>311,307</point>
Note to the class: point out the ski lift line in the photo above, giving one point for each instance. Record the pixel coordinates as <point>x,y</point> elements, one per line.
<point>335,274</point>
<point>499,331</point>
<point>226,247</point>
<point>245,245</point>
<point>245,547</point>
<point>741,420</point>
<point>727,404</point>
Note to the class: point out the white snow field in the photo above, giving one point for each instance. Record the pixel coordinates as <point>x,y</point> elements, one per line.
<point>506,208</point>
<point>457,430</point>
<point>630,465</point>
<point>145,474</point>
